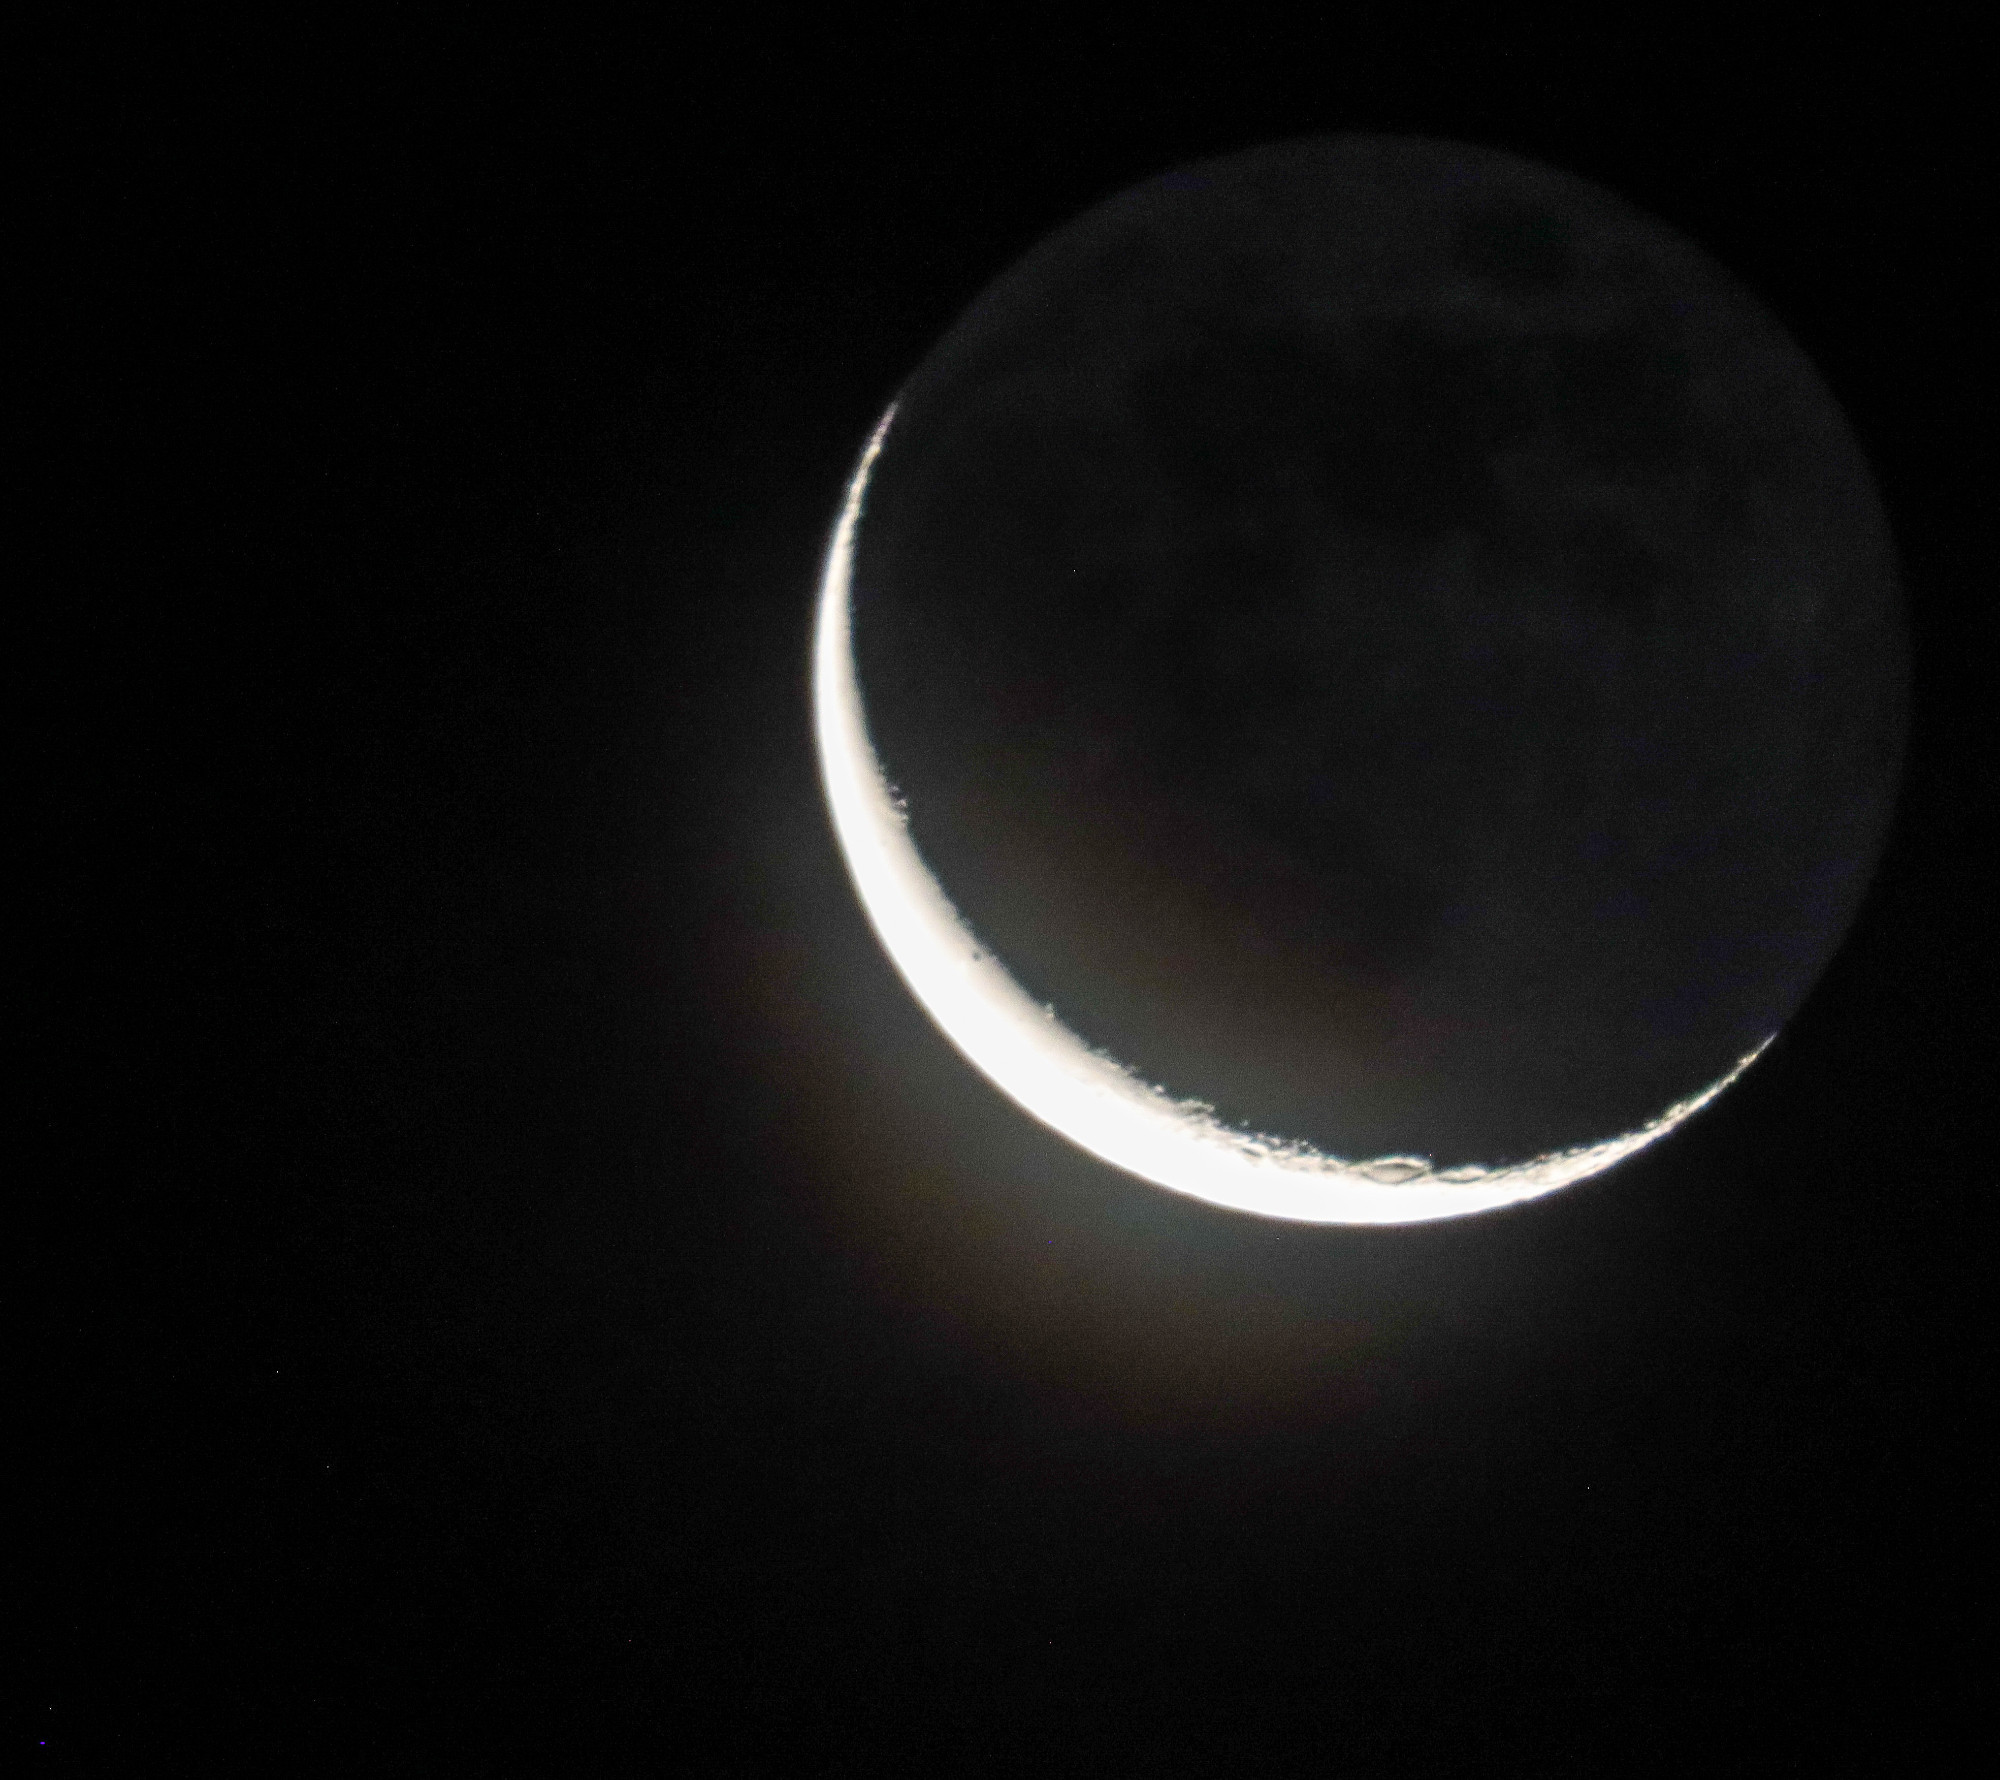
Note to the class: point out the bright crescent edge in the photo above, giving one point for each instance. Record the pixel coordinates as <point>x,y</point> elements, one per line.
<point>1051,1073</point>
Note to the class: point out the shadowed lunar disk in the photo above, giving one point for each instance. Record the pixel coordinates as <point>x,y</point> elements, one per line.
<point>1388,641</point>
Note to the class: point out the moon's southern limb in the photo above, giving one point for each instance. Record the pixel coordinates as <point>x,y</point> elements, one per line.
<point>1051,1072</point>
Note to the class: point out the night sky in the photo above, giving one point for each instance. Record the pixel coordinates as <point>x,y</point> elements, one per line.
<point>515,1283</point>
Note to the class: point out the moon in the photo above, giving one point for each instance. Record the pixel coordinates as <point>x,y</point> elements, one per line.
<point>1389,637</point>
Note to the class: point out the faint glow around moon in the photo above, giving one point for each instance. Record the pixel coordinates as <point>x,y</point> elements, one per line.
<point>1090,1098</point>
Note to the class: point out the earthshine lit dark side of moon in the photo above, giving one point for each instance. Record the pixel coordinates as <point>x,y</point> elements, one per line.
<point>1389,640</point>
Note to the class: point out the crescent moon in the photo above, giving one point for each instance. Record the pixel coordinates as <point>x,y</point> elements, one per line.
<point>1039,1063</point>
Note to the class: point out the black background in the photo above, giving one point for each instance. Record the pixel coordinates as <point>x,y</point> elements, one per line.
<point>518,1286</point>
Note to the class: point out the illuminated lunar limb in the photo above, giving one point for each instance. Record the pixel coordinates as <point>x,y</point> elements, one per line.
<point>1026,1051</point>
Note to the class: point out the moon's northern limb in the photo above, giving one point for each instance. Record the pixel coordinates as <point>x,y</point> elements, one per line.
<point>1047,1069</point>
